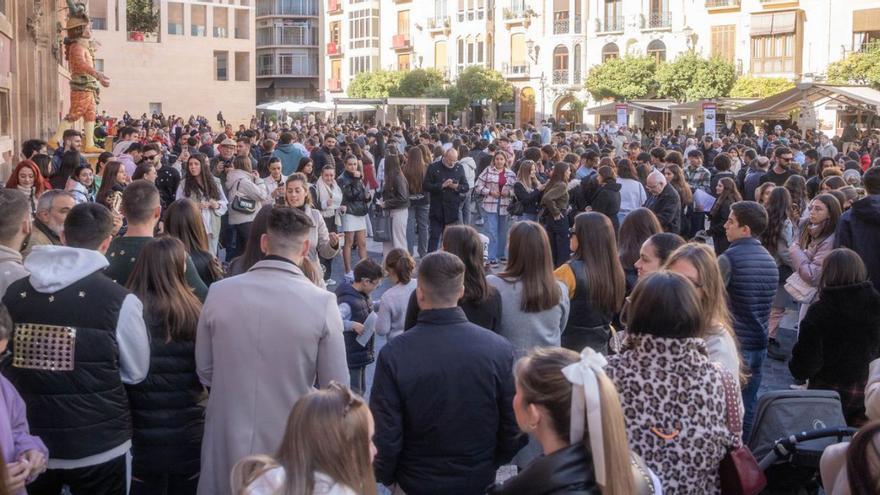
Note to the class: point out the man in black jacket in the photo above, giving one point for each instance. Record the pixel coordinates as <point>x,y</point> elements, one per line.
<point>443,410</point>
<point>859,227</point>
<point>447,184</point>
<point>664,202</point>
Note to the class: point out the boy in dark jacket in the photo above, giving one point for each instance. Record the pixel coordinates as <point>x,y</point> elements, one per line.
<point>355,306</point>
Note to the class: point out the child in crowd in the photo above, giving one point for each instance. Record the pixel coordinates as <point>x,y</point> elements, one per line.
<point>326,450</point>
<point>399,266</point>
<point>355,306</point>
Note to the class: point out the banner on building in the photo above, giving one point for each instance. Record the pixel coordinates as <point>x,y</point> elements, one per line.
<point>709,124</point>
<point>621,114</point>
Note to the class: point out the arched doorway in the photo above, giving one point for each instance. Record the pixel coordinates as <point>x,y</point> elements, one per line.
<point>610,51</point>
<point>565,108</point>
<point>657,51</point>
<point>527,105</point>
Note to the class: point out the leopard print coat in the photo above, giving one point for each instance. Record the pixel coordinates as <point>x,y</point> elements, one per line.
<point>674,404</point>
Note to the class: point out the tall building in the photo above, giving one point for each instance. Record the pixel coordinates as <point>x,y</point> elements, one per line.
<point>198,60</point>
<point>545,48</point>
<point>287,48</point>
<point>34,90</point>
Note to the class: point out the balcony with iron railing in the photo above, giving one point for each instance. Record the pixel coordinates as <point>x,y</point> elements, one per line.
<point>303,10</point>
<point>271,71</point>
<point>515,71</point>
<point>519,14</point>
<point>560,76</point>
<point>439,24</point>
<point>471,15</point>
<point>334,85</point>
<point>287,37</point>
<point>401,42</point>
<point>577,77</point>
<point>561,25</point>
<point>657,20</point>
<point>613,24</point>
<point>722,4</point>
<point>578,25</point>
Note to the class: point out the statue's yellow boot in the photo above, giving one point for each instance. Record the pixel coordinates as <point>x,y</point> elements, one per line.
<point>89,139</point>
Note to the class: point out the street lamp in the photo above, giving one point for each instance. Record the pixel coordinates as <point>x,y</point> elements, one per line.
<point>533,50</point>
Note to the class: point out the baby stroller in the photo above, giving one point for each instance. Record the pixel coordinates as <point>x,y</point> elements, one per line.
<point>791,430</point>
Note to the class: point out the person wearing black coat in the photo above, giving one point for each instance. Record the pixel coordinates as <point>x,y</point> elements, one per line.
<point>607,201</point>
<point>442,395</point>
<point>859,227</point>
<point>486,314</point>
<point>446,182</point>
<point>168,415</point>
<point>665,202</point>
<point>567,471</point>
<point>839,337</point>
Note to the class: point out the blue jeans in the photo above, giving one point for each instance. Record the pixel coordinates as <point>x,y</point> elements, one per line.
<point>754,361</point>
<point>496,229</point>
<point>358,379</point>
<point>417,229</point>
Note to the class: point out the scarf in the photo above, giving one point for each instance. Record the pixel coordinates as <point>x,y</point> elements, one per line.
<point>325,192</point>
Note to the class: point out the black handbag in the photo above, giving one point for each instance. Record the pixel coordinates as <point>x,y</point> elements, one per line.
<point>515,208</point>
<point>242,204</point>
<point>380,219</point>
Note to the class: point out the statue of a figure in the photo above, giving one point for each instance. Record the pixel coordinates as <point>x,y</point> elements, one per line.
<point>84,79</point>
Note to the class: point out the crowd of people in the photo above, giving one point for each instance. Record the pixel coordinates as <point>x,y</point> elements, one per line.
<point>592,308</point>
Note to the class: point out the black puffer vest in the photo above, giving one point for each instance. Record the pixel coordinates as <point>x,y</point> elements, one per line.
<point>586,326</point>
<point>168,419</point>
<point>82,411</point>
<point>358,355</point>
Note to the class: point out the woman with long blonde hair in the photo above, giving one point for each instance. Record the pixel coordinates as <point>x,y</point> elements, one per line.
<point>697,263</point>
<point>326,450</point>
<point>585,448</point>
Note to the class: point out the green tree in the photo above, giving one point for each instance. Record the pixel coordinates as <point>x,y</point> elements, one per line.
<point>479,83</point>
<point>377,84</point>
<point>622,78</point>
<point>419,82</point>
<point>692,77</point>
<point>857,68</point>
<point>140,16</point>
<point>759,87</point>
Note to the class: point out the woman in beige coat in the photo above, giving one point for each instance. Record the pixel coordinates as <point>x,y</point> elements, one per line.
<point>321,241</point>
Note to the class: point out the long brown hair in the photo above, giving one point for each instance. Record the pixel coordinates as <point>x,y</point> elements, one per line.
<point>183,220</point>
<point>392,171</point>
<point>637,227</point>
<point>415,169</point>
<point>328,431</point>
<point>530,263</point>
<point>202,184</point>
<point>863,461</point>
<point>108,180</point>
<point>606,282</point>
<point>524,175</point>
<point>728,196</point>
<point>558,174</point>
<point>833,206</point>
<point>680,184</point>
<point>713,294</point>
<point>464,242</point>
<point>778,209</point>
<point>540,380</point>
<point>400,263</point>
<point>159,281</point>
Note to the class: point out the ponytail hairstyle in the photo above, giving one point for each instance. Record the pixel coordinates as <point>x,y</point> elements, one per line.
<point>540,381</point>
<point>400,262</point>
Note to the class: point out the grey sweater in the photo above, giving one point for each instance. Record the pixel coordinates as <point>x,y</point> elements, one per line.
<point>529,330</point>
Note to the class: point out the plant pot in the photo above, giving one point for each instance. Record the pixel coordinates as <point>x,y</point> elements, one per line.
<point>136,36</point>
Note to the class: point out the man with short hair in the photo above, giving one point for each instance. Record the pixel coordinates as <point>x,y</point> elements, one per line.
<point>664,201</point>
<point>323,155</point>
<point>429,388</point>
<point>15,226</point>
<point>826,148</point>
<point>127,135</point>
<point>71,141</point>
<point>78,339</point>
<point>131,157</point>
<point>142,208</point>
<point>781,170</point>
<point>33,147</point>
<point>750,275</point>
<point>446,182</point>
<point>289,154</point>
<point>259,351</point>
<point>52,208</point>
<point>859,227</point>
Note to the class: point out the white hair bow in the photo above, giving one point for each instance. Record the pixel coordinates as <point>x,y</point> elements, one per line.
<point>585,399</point>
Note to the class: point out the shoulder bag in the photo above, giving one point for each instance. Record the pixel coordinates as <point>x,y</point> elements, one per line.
<point>799,289</point>
<point>380,220</point>
<point>242,204</point>
<point>739,471</point>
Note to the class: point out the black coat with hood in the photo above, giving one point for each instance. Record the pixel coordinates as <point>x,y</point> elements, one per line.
<point>607,201</point>
<point>859,230</point>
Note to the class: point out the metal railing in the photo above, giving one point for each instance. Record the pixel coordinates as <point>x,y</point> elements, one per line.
<point>197,30</point>
<point>560,76</point>
<point>220,32</point>
<point>657,20</point>
<point>611,24</point>
<point>722,3</point>
<point>515,70</point>
<point>270,71</point>
<point>516,12</point>
<point>561,26</point>
<point>175,28</point>
<point>577,77</point>
<point>578,25</point>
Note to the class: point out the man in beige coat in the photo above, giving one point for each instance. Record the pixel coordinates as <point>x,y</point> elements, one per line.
<point>265,338</point>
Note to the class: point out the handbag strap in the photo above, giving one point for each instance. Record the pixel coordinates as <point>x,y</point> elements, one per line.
<point>733,418</point>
